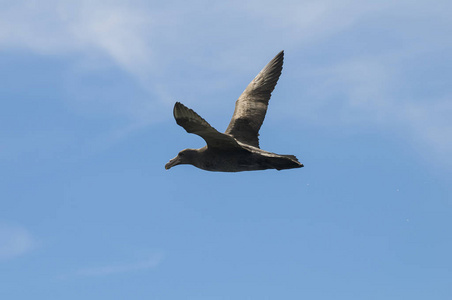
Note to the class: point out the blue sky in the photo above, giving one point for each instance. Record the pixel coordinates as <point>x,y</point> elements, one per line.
<point>364,101</point>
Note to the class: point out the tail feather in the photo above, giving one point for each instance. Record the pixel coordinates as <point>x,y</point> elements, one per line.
<point>292,157</point>
<point>287,162</point>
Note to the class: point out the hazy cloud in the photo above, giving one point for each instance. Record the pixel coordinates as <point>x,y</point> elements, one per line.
<point>145,38</point>
<point>55,27</point>
<point>377,89</point>
<point>161,43</point>
<point>14,241</point>
<point>432,124</point>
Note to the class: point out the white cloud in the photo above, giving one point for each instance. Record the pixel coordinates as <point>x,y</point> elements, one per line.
<point>162,43</point>
<point>145,40</point>
<point>148,38</point>
<point>56,27</point>
<point>118,268</point>
<point>14,241</point>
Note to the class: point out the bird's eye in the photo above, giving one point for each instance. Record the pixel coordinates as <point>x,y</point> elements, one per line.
<point>181,154</point>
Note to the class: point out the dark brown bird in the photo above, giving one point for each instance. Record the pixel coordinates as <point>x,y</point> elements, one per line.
<point>238,148</point>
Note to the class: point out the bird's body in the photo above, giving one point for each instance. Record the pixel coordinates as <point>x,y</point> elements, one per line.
<point>238,148</point>
<point>246,158</point>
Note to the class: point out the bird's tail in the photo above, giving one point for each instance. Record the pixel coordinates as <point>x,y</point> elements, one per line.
<point>288,162</point>
<point>291,157</point>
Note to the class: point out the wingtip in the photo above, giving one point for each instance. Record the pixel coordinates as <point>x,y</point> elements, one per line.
<point>182,111</point>
<point>277,60</point>
<point>177,107</point>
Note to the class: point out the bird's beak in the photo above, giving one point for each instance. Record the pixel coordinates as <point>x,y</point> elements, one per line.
<point>175,161</point>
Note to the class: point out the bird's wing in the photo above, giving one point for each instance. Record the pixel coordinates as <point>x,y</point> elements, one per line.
<point>252,105</point>
<point>193,123</point>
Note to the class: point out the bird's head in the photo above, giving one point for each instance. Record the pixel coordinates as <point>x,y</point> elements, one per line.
<point>186,156</point>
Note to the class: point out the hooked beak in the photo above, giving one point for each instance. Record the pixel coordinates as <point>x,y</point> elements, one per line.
<point>174,162</point>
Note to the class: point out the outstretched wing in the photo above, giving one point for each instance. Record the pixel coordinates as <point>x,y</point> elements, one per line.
<point>251,107</point>
<point>193,123</point>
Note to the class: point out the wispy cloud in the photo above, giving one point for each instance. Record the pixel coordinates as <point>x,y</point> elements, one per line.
<point>432,124</point>
<point>160,44</point>
<point>148,40</point>
<point>118,268</point>
<point>379,90</point>
<point>15,241</point>
<point>55,27</point>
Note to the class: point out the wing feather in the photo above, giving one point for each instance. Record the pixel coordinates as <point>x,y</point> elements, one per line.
<point>251,107</point>
<point>193,123</point>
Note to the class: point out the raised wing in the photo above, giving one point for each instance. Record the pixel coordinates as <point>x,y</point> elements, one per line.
<point>251,107</point>
<point>193,123</point>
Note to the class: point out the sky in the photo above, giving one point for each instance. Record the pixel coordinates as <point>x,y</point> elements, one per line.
<point>364,101</point>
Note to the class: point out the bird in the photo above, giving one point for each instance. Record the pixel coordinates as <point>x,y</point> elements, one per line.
<point>237,149</point>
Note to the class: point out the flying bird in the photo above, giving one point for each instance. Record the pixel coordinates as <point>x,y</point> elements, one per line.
<point>237,149</point>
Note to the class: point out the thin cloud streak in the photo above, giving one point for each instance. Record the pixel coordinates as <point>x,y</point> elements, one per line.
<point>150,263</point>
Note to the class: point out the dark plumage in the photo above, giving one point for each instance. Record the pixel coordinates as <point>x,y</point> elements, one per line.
<point>238,148</point>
